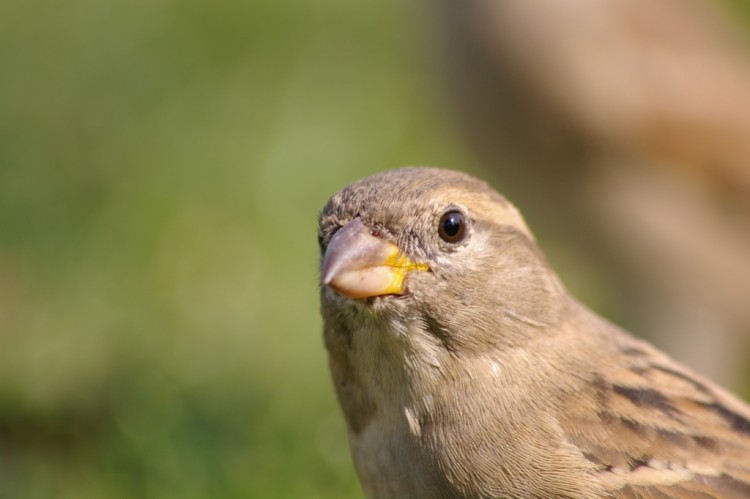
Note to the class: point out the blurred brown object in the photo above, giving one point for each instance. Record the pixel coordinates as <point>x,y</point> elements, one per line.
<point>626,126</point>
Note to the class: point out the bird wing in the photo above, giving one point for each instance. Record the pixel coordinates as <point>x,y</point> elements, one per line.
<point>654,429</point>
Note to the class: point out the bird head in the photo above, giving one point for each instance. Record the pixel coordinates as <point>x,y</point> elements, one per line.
<point>437,248</point>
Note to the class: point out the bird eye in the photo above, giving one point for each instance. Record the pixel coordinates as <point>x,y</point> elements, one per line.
<point>452,227</point>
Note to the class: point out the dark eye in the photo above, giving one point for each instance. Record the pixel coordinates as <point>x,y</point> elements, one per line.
<point>452,227</point>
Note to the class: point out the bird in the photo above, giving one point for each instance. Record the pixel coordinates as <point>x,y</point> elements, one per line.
<point>465,369</point>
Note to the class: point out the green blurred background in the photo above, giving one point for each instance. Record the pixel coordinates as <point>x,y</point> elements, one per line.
<point>162,163</point>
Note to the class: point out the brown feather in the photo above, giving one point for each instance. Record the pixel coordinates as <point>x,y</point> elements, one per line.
<point>486,379</point>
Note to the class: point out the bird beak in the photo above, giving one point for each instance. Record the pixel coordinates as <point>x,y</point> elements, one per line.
<point>360,265</point>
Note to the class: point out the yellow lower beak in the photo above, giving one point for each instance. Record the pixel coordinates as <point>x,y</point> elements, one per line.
<point>360,265</point>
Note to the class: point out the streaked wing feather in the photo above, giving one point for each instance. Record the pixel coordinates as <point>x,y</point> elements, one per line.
<point>656,430</point>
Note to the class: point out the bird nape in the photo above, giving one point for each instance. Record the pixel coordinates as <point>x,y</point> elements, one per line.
<point>465,369</point>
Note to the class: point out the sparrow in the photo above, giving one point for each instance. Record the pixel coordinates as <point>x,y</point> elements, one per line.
<point>465,369</point>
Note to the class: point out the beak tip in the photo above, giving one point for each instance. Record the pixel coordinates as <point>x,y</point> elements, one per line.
<point>327,271</point>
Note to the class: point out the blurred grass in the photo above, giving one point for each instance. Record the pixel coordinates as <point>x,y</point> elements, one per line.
<point>161,167</point>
